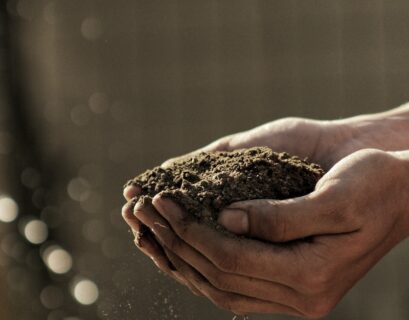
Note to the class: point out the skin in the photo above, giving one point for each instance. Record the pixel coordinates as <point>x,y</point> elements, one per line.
<point>314,248</point>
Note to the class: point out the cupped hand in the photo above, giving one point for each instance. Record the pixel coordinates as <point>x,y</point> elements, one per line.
<point>321,141</point>
<point>324,142</point>
<point>303,254</point>
<point>318,140</point>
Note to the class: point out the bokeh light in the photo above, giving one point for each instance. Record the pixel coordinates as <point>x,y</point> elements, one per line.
<point>35,231</point>
<point>80,115</point>
<point>57,259</point>
<point>52,14</point>
<point>30,178</point>
<point>25,9</point>
<point>85,291</point>
<point>52,297</point>
<point>91,28</point>
<point>78,189</point>
<point>98,102</point>
<point>8,209</point>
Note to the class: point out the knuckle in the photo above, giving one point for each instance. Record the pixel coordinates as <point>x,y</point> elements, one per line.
<point>295,121</point>
<point>342,215</point>
<point>338,210</point>
<point>220,281</point>
<point>336,215</point>
<point>182,227</point>
<point>371,153</point>
<point>278,225</point>
<point>271,224</point>
<point>172,243</point>
<point>223,301</point>
<point>227,263</point>
<point>275,226</point>
<point>126,211</point>
<point>316,283</point>
<point>225,143</point>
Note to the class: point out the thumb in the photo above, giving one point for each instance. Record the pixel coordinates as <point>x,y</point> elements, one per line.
<point>286,220</point>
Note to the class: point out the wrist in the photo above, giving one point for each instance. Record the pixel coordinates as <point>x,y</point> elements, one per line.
<point>402,158</point>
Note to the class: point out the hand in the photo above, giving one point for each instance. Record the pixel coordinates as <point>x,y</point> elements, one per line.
<point>324,142</point>
<point>319,141</point>
<point>354,217</point>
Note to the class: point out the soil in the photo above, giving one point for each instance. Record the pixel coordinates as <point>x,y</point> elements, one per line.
<point>206,183</point>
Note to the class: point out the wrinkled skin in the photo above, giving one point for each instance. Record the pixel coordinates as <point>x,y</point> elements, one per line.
<point>315,247</point>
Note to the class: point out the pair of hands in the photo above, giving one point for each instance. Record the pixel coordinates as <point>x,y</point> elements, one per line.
<point>353,218</point>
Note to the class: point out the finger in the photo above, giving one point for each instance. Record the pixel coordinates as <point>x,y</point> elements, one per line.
<point>155,252</point>
<point>235,303</point>
<point>147,243</point>
<point>150,247</point>
<point>251,287</point>
<point>144,239</point>
<point>190,286</point>
<point>286,220</point>
<point>131,191</point>
<point>130,219</point>
<point>233,255</point>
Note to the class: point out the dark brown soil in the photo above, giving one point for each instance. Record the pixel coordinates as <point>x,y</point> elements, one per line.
<point>206,183</point>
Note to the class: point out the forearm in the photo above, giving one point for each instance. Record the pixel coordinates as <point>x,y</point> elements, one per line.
<point>387,131</point>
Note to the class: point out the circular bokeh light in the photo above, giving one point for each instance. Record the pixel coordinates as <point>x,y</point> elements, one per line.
<point>8,209</point>
<point>85,292</point>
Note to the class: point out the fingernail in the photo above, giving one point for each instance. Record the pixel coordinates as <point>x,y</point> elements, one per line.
<point>139,235</point>
<point>138,206</point>
<point>129,191</point>
<point>140,203</point>
<point>234,220</point>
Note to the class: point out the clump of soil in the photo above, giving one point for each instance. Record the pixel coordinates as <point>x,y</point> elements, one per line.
<point>206,183</point>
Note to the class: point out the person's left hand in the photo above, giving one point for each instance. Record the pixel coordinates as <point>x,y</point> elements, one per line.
<point>305,253</point>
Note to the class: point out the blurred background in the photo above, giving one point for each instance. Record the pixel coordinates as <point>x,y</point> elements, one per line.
<point>93,92</point>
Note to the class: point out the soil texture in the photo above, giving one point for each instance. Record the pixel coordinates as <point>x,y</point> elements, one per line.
<point>207,182</point>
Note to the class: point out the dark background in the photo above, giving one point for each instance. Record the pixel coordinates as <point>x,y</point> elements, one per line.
<point>93,92</point>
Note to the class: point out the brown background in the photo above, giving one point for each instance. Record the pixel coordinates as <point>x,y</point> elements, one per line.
<point>172,76</point>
